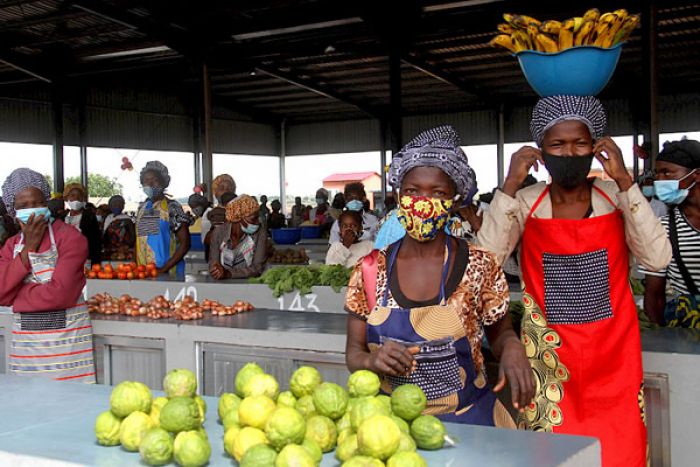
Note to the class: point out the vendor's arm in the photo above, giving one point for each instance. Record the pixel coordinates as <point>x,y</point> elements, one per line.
<point>391,359</point>
<point>64,289</point>
<point>655,297</point>
<point>216,270</point>
<point>514,366</point>
<point>503,223</point>
<point>259,259</point>
<point>13,270</point>
<point>646,237</point>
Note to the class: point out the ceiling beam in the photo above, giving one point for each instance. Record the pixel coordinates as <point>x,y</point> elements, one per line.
<point>318,88</point>
<point>412,59</point>
<point>26,65</point>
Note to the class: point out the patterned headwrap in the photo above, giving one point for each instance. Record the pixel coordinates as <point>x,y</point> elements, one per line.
<point>223,178</point>
<point>438,147</point>
<point>19,180</point>
<point>550,111</point>
<point>241,207</point>
<point>685,153</point>
<point>74,186</point>
<point>159,168</point>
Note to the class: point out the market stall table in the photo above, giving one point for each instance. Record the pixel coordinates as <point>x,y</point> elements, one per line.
<point>47,423</point>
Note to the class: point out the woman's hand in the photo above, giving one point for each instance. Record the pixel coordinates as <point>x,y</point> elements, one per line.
<point>217,271</point>
<point>522,161</point>
<point>348,238</point>
<point>393,359</point>
<point>610,156</point>
<point>34,231</point>
<point>515,369</point>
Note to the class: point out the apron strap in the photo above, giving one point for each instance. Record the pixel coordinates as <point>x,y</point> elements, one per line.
<point>605,195</point>
<point>443,277</point>
<point>538,202</point>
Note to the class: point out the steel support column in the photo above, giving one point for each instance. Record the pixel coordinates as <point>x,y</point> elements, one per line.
<point>283,166</point>
<point>207,161</point>
<point>82,129</point>
<point>382,155</point>
<point>395,105</point>
<point>501,144</point>
<point>57,120</point>
<point>651,64</point>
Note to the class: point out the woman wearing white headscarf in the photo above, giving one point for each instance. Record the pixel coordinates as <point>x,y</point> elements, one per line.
<point>42,280</point>
<point>580,324</point>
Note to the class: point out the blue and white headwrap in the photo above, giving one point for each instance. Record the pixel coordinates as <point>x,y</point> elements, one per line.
<point>550,111</point>
<point>18,181</point>
<point>438,147</point>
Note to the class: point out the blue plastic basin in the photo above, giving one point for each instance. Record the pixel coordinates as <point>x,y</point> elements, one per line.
<point>579,71</point>
<point>311,231</point>
<point>196,242</point>
<point>286,236</point>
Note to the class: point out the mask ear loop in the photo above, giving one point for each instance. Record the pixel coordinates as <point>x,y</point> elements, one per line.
<point>686,176</point>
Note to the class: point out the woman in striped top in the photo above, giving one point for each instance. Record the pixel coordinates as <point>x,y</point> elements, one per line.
<point>42,280</point>
<point>676,184</point>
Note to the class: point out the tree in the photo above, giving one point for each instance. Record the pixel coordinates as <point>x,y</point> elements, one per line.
<point>99,186</point>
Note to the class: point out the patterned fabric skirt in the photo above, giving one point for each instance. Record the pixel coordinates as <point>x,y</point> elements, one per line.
<point>54,344</point>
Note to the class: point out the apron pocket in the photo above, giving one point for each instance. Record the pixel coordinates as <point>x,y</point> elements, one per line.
<point>437,372</point>
<point>42,321</point>
<point>577,288</point>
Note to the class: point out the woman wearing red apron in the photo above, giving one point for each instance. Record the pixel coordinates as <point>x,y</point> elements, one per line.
<point>580,326</point>
<point>43,279</point>
<point>419,308</point>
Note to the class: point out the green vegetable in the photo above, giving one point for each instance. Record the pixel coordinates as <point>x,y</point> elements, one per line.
<point>286,279</point>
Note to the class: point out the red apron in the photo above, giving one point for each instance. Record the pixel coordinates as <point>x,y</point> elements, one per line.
<point>585,348</point>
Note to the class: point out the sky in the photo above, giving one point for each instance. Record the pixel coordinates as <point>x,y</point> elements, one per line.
<point>255,175</point>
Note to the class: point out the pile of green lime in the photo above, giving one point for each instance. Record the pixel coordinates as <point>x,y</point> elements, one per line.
<point>266,427</point>
<point>164,429</point>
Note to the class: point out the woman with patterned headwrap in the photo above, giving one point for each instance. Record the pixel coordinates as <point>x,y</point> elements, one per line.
<point>580,325</point>
<point>239,247</point>
<point>83,219</point>
<point>419,308</point>
<point>162,226</point>
<point>42,280</point>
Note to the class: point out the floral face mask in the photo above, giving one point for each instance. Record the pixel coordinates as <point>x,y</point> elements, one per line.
<point>423,217</point>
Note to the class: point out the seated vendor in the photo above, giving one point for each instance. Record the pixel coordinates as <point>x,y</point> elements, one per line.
<point>276,219</point>
<point>238,248</point>
<point>350,249</point>
<point>419,308</point>
<point>355,197</point>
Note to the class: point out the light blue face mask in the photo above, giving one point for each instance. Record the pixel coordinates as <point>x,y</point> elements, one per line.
<point>670,192</point>
<point>99,218</point>
<point>648,191</point>
<point>355,205</point>
<point>23,215</point>
<point>250,229</point>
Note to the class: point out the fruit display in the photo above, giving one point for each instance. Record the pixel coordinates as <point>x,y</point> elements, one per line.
<point>160,430</point>
<point>284,280</point>
<point>295,427</point>
<point>159,307</point>
<point>288,256</point>
<point>522,32</point>
<point>122,271</point>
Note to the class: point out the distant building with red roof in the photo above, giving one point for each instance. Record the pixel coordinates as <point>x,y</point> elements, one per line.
<point>371,180</point>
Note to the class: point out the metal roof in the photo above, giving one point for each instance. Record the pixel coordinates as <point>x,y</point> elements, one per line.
<point>314,60</point>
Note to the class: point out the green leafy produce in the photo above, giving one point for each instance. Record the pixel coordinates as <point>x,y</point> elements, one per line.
<point>286,279</point>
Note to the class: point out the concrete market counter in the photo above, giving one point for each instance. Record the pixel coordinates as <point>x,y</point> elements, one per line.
<point>47,423</point>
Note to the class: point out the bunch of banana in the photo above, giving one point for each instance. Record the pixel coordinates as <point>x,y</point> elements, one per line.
<point>521,32</point>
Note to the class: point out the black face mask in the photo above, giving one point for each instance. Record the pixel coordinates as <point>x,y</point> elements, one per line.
<point>568,171</point>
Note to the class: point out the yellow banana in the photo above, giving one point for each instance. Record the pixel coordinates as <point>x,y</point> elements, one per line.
<point>581,37</point>
<point>505,28</point>
<point>522,39</point>
<point>599,34</point>
<point>607,18</point>
<point>524,21</point>
<point>551,27</point>
<point>505,41</point>
<point>533,31</point>
<point>578,22</point>
<point>622,14</point>
<point>626,30</point>
<point>510,19</point>
<point>615,26</point>
<point>546,44</point>
<point>566,35</point>
<point>592,15</point>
